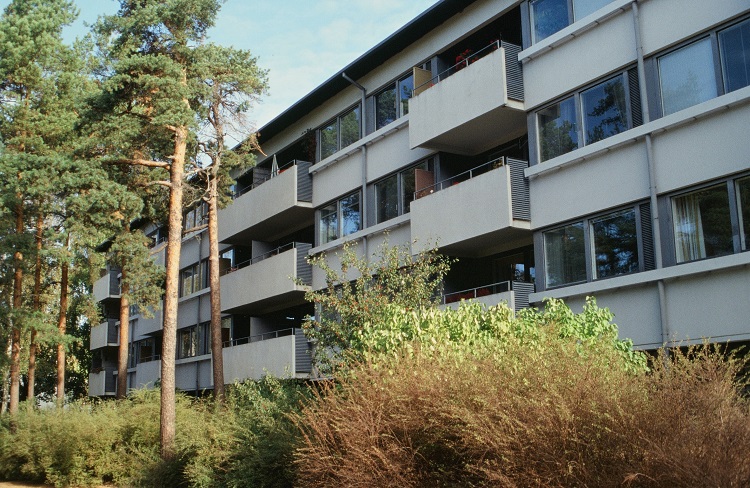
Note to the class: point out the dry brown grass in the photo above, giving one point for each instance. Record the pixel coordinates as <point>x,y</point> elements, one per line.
<point>543,417</point>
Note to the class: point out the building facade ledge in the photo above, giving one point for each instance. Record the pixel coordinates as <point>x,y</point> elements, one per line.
<point>366,232</point>
<point>671,273</point>
<point>702,110</point>
<point>368,140</point>
<point>574,30</point>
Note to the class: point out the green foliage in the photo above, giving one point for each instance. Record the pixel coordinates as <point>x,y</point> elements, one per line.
<point>359,291</point>
<point>265,434</point>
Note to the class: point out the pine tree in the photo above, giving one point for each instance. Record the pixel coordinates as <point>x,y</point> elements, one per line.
<point>147,120</point>
<point>232,82</point>
<point>35,84</point>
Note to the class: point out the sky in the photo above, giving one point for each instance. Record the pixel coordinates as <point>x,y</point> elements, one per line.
<point>301,42</point>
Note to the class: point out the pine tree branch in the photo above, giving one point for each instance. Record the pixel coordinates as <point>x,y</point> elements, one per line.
<point>141,162</point>
<point>197,228</point>
<point>163,183</point>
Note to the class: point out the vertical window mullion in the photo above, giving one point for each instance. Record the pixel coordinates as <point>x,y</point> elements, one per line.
<point>734,216</point>
<point>589,254</point>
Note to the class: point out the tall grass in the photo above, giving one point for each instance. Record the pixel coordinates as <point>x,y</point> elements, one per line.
<point>545,417</point>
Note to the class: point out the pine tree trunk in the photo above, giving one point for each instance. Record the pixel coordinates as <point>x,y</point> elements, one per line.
<point>37,306</point>
<point>15,353</point>
<point>217,351</point>
<point>122,350</point>
<point>169,340</point>
<point>62,330</point>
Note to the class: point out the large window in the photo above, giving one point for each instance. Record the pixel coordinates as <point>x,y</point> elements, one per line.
<point>187,342</point>
<point>565,255</point>
<point>703,221</point>
<point>590,115</point>
<point>339,218</point>
<point>688,75</point>
<point>194,278</point>
<point>340,132</point>
<point>550,16</point>
<point>394,194</point>
<point>393,101</point>
<point>598,247</point>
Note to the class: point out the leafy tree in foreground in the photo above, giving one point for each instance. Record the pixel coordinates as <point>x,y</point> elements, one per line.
<point>359,291</point>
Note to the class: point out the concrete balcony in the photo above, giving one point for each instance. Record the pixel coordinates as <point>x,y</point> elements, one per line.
<point>265,284</point>
<point>514,293</point>
<point>107,287</point>
<point>475,210</point>
<point>474,109</point>
<point>148,373</point>
<point>270,210</point>
<point>282,354</point>
<point>149,326</point>
<point>103,383</point>
<point>104,334</point>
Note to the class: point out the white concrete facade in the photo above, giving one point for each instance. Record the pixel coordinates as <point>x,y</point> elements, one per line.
<point>610,174</point>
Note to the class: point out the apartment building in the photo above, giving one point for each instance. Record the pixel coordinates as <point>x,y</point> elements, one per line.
<point>557,148</point>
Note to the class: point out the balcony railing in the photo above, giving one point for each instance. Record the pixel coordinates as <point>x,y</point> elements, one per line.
<point>468,58</point>
<point>480,291</point>
<point>262,179</point>
<point>286,247</point>
<point>263,337</point>
<point>466,175</point>
<point>521,289</point>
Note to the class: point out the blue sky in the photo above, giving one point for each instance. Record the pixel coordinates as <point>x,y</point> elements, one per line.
<point>301,42</point>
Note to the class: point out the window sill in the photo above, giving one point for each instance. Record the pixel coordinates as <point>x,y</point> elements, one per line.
<point>196,294</point>
<point>381,133</point>
<point>646,277</point>
<point>373,229</point>
<point>574,30</point>
<point>677,119</point>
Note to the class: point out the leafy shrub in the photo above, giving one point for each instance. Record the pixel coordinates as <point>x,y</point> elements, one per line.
<point>264,432</point>
<point>558,401</point>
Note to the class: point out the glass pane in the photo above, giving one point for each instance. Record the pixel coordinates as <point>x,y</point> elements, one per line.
<point>743,202</point>
<point>687,77</point>
<point>702,226</point>
<point>582,8</point>
<point>386,199</point>
<point>557,129</point>
<point>329,224</point>
<point>350,128</point>
<point>329,142</point>
<point>385,108</point>
<point>604,110</point>
<point>350,215</point>
<point>187,282</point>
<point>734,45</point>
<point>549,17</point>
<point>405,87</point>
<point>615,243</point>
<point>565,255</point>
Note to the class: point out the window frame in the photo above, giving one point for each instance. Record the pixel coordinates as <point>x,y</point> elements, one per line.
<point>589,245</point>
<point>656,104</point>
<point>576,96</point>
<point>736,223</point>
<point>192,333</point>
<point>336,122</point>
<point>571,18</point>
<point>394,85</point>
<point>401,195</point>
<point>201,270</point>
<point>339,216</point>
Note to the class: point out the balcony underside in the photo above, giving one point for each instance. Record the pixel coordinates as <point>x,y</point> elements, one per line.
<point>489,243</point>
<point>285,222</point>
<point>287,299</point>
<point>482,133</point>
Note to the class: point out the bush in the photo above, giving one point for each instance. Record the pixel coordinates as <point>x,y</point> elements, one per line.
<point>557,402</point>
